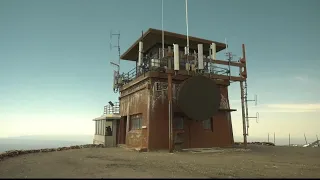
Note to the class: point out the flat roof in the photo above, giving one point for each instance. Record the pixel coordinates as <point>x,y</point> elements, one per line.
<point>108,116</point>
<point>154,36</point>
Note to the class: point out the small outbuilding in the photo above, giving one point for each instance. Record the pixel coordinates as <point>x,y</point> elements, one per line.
<point>106,128</point>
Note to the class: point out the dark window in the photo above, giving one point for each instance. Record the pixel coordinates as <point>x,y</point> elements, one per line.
<point>207,124</point>
<point>136,121</point>
<point>108,128</point>
<point>178,122</point>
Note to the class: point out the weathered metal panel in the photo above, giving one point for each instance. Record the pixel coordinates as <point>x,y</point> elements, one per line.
<point>153,105</point>
<point>134,100</point>
<point>193,133</point>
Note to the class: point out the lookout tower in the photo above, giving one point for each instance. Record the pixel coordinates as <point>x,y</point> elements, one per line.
<point>175,97</point>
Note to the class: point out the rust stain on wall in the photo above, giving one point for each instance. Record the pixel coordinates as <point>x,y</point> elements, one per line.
<point>134,101</point>
<point>153,105</point>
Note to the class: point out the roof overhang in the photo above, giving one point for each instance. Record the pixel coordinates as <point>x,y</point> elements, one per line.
<point>154,36</point>
<point>108,117</point>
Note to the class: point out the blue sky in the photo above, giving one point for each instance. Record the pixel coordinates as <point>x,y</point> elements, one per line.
<point>54,59</point>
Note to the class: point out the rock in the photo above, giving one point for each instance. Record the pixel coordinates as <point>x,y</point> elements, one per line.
<point>13,153</point>
<point>141,149</point>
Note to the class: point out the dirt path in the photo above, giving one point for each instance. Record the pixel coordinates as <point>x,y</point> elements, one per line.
<point>117,162</point>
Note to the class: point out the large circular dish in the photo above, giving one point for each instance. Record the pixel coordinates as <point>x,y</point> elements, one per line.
<point>199,98</point>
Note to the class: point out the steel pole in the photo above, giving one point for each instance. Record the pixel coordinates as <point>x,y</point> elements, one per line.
<point>170,111</point>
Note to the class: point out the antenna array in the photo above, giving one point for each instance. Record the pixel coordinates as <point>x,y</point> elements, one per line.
<point>247,117</point>
<point>115,46</point>
<point>116,75</point>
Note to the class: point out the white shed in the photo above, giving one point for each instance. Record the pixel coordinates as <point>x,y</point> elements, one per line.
<point>106,130</point>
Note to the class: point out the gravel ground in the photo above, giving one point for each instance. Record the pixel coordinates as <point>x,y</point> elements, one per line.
<point>259,161</point>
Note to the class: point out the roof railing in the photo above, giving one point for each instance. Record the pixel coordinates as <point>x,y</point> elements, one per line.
<point>115,109</point>
<point>160,66</point>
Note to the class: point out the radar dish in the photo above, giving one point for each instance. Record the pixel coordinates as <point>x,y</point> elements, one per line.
<point>199,98</point>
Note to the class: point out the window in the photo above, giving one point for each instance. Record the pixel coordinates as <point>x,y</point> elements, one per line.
<point>178,122</point>
<point>136,121</point>
<point>98,127</point>
<point>96,132</point>
<point>108,128</point>
<point>207,124</point>
<point>101,127</point>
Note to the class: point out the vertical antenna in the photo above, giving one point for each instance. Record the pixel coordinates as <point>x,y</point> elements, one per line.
<point>162,33</point>
<point>187,27</point>
<point>225,41</point>
<point>118,47</point>
<point>228,58</point>
<point>116,75</point>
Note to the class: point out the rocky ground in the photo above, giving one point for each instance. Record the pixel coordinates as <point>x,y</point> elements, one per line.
<point>258,161</point>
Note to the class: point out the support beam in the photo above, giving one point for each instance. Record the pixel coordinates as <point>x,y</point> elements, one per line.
<point>170,111</point>
<point>215,61</point>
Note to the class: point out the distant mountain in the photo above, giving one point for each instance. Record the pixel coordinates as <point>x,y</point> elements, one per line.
<point>44,141</point>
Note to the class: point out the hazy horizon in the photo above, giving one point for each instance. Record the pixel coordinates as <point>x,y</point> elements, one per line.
<point>89,138</point>
<point>55,71</point>
<point>54,141</point>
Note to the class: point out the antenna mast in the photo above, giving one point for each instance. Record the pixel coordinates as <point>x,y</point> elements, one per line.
<point>226,42</point>
<point>244,98</point>
<point>116,75</point>
<point>162,33</point>
<point>116,46</point>
<point>187,27</point>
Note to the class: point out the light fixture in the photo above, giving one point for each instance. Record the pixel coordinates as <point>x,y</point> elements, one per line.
<point>110,103</point>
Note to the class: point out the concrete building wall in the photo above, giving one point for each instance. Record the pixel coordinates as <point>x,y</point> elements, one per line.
<point>158,121</point>
<point>99,139</point>
<point>134,100</point>
<point>193,134</point>
<point>105,140</point>
<point>143,97</point>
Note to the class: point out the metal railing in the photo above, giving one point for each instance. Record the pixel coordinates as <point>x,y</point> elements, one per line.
<point>161,65</point>
<point>115,109</point>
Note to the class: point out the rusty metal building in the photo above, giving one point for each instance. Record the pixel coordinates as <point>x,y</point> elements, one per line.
<point>143,99</point>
